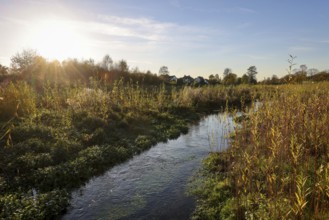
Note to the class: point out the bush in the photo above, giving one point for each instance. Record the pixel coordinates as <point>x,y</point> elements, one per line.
<point>28,131</point>
<point>64,150</point>
<point>143,142</point>
<point>87,122</point>
<point>41,206</point>
<point>17,100</point>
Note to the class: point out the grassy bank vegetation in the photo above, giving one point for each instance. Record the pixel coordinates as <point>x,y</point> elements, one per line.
<point>278,164</point>
<point>55,137</point>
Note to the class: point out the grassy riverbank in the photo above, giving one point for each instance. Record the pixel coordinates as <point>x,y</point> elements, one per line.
<point>278,164</point>
<point>56,138</point>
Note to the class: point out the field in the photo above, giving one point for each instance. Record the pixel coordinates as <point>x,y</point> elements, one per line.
<point>55,138</point>
<point>278,164</point>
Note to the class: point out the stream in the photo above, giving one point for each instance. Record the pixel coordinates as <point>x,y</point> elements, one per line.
<point>153,184</point>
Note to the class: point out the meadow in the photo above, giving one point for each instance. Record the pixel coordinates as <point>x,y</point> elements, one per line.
<point>63,123</point>
<point>56,137</point>
<point>277,166</point>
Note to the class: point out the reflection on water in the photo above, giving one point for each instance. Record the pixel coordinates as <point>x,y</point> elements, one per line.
<point>152,185</point>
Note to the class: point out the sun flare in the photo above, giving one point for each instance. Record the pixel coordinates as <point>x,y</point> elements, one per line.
<point>56,39</point>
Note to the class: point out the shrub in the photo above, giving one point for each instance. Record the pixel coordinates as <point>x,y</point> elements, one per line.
<point>27,206</point>
<point>17,100</point>
<point>143,142</point>
<point>26,131</point>
<point>88,122</point>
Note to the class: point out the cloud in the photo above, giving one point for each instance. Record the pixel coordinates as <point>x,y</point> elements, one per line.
<point>150,32</point>
<point>312,41</point>
<point>142,28</point>
<point>215,10</point>
<point>301,48</point>
<point>126,32</point>
<point>245,10</point>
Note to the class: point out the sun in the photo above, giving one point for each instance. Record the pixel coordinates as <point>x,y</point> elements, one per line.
<point>56,39</point>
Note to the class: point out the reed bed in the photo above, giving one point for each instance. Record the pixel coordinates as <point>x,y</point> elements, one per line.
<point>277,166</point>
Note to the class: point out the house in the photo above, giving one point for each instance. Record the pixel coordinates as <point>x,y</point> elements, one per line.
<point>172,79</point>
<point>200,81</point>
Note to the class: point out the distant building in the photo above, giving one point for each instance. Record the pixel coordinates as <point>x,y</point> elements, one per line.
<point>200,81</point>
<point>172,79</point>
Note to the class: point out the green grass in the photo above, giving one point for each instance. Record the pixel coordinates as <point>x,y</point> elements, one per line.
<point>55,139</point>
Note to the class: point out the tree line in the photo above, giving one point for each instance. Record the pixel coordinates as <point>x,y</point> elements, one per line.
<point>29,66</point>
<point>35,69</point>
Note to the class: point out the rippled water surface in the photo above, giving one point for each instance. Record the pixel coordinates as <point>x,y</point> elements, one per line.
<point>152,185</point>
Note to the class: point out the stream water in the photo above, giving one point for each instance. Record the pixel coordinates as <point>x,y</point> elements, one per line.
<point>152,185</point>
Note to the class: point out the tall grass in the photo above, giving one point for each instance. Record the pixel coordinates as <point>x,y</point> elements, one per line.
<point>57,138</point>
<point>17,100</point>
<point>278,164</point>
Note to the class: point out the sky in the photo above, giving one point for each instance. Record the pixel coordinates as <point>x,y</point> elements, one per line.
<point>190,37</point>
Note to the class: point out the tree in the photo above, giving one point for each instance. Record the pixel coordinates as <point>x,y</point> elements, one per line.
<point>135,70</point>
<point>245,79</point>
<point>21,62</point>
<point>56,73</point>
<point>303,68</point>
<point>275,80</point>
<point>312,71</point>
<point>321,76</point>
<point>252,72</point>
<point>227,71</point>
<point>123,66</point>
<point>230,79</point>
<point>39,66</point>
<point>163,70</point>
<point>3,70</point>
<point>107,62</point>
<point>165,77</point>
<point>295,71</point>
<point>212,80</point>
